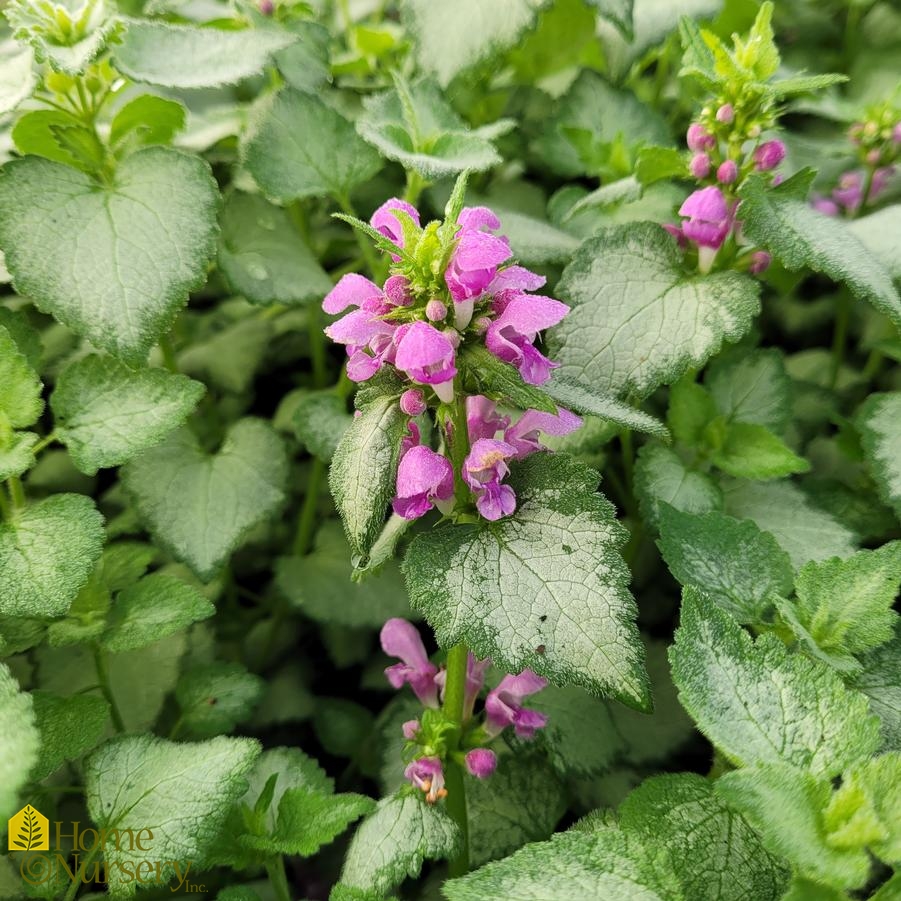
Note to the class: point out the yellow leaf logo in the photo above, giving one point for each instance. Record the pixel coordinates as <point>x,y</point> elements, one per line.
<point>29,830</point>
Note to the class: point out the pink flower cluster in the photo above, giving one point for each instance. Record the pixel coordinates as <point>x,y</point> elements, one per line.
<point>425,478</point>
<point>847,198</point>
<point>418,327</point>
<point>443,292</point>
<point>709,214</point>
<point>503,706</point>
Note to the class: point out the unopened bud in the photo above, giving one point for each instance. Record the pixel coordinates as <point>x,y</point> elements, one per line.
<point>698,138</point>
<point>760,261</point>
<point>725,114</point>
<point>769,154</point>
<point>412,402</point>
<point>699,166</point>
<point>727,173</point>
<point>435,310</point>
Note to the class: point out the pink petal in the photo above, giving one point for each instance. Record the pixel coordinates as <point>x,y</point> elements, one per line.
<point>351,290</point>
<point>708,204</point>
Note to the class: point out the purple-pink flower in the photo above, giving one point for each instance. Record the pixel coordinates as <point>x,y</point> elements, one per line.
<point>511,336</point>
<point>503,706</point>
<point>708,217</point>
<point>727,172</point>
<point>483,470</point>
<point>474,261</point>
<point>481,762</point>
<point>523,434</point>
<point>482,418</point>
<point>698,138</point>
<point>412,402</point>
<point>424,478</point>
<point>475,681</point>
<point>426,356</point>
<point>401,639</point>
<point>385,221</point>
<point>427,774</point>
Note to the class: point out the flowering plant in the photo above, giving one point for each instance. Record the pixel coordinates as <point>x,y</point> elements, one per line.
<point>450,448</point>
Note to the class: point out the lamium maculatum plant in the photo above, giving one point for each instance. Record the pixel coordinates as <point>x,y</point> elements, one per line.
<point>450,450</point>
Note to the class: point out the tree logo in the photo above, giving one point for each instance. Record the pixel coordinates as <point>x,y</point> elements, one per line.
<point>29,830</point>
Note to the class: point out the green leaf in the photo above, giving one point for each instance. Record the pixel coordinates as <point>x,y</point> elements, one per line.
<point>142,678</point>
<point>752,451</point>
<point>569,615</point>
<point>263,257</point>
<point>181,792</point>
<point>451,38</point>
<point>320,585</point>
<point>308,820</point>
<point>880,681</point>
<point>605,863</point>
<point>846,605</point>
<point>320,421</point>
<point>216,697</point>
<point>200,507</point>
<point>17,456</point>
<point>302,148</point>
<point>364,469</point>
<point>691,409</point>
<point>717,856</point>
<point>582,398</point>
<point>41,132</point>
<point>752,387</point>
<point>495,378</point>
<point>160,214</point>
<point>522,802</point>
<point>420,130</point>
<point>20,387</point>
<point>659,163</point>
<point>586,108</point>
<point>152,608</point>
<point>19,741</point>
<point>69,727</point>
<point>305,64</point>
<point>797,235</point>
<point>636,319</point>
<point>184,56</point>
<point>393,842</point>
<point>106,413</point>
<point>731,560</point>
<point>229,358</point>
<point>16,75</point>
<point>147,120</point>
<point>879,423</point>
<point>760,704</point>
<point>803,531</point>
<point>785,806</point>
<point>47,552</point>
<point>803,84</point>
<point>662,477</point>
<point>880,233</point>
<point>805,890</point>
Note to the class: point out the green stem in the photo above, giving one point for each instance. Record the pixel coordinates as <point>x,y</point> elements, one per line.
<point>16,493</point>
<point>625,443</point>
<point>103,679</point>
<point>306,522</point>
<point>275,868</point>
<point>6,510</point>
<point>415,185</point>
<point>454,698</point>
<point>44,442</point>
<point>459,448</point>
<point>72,891</point>
<point>366,249</point>
<point>839,337</point>
<point>168,351</point>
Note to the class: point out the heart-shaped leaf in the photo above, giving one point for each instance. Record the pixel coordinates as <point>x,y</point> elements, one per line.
<point>199,506</point>
<point>113,262</point>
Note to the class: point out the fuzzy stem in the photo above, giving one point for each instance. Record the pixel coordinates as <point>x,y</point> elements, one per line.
<point>459,448</point>
<point>275,868</point>
<point>306,522</point>
<point>454,697</point>
<point>16,493</point>
<point>168,351</point>
<point>103,678</point>
<point>415,184</point>
<point>77,881</point>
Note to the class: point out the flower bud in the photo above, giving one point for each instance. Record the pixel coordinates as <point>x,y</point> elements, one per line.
<point>873,157</point>
<point>725,114</point>
<point>896,133</point>
<point>699,166</point>
<point>412,402</point>
<point>754,131</point>
<point>397,290</point>
<point>769,154</point>
<point>267,7</point>
<point>481,762</point>
<point>760,261</point>
<point>410,728</point>
<point>435,310</point>
<point>480,325</point>
<point>698,138</point>
<point>727,173</point>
